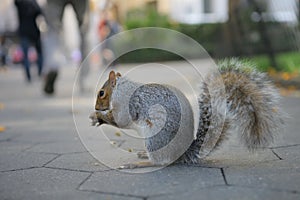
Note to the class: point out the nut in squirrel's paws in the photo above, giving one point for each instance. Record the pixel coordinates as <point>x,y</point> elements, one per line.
<point>96,120</point>
<point>102,117</point>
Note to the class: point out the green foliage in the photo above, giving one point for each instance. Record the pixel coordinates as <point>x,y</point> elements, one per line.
<point>220,40</point>
<point>208,35</point>
<point>146,18</point>
<point>287,62</point>
<point>148,55</point>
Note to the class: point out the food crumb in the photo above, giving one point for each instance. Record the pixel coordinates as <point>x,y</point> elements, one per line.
<point>118,134</point>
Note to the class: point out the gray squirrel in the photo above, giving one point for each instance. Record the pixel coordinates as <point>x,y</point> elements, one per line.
<point>164,117</point>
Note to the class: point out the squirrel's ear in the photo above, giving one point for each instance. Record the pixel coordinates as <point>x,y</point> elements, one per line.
<point>112,78</point>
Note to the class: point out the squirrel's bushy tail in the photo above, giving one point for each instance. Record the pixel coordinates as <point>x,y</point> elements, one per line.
<point>251,102</point>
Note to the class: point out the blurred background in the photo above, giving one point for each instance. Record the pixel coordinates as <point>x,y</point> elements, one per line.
<point>266,31</point>
<point>43,154</point>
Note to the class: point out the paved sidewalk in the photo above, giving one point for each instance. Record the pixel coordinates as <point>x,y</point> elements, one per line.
<point>42,157</point>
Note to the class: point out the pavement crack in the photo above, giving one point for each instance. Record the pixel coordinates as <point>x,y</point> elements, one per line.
<point>285,146</point>
<point>269,188</point>
<point>201,165</point>
<point>76,170</point>
<point>82,182</point>
<point>87,178</point>
<point>66,169</point>
<point>55,157</point>
<point>115,194</point>
<point>224,176</point>
<point>279,157</point>
<point>76,152</point>
<point>19,169</point>
<point>28,148</point>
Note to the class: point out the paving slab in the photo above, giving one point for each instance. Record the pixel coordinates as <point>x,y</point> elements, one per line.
<point>79,195</point>
<point>230,193</point>
<point>9,134</point>
<point>9,146</point>
<point>44,135</point>
<point>230,155</point>
<point>40,183</point>
<point>290,133</point>
<point>290,157</point>
<point>289,153</point>
<point>42,157</point>
<point>14,156</point>
<point>268,176</point>
<point>59,147</point>
<point>23,160</point>
<point>78,161</point>
<point>168,180</point>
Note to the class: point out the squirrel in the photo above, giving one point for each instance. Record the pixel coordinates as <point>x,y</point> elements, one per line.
<point>163,115</point>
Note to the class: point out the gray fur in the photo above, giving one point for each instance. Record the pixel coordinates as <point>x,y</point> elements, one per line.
<point>150,95</point>
<point>192,155</point>
<point>157,112</point>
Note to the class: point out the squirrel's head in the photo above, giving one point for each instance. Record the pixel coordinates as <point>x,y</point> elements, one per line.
<point>104,94</point>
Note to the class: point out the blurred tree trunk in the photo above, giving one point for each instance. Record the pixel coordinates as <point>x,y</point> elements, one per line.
<point>232,27</point>
<point>263,34</point>
<point>242,31</point>
<point>237,29</point>
<point>298,11</point>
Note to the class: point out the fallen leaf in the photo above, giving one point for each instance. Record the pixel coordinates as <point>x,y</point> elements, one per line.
<point>2,128</point>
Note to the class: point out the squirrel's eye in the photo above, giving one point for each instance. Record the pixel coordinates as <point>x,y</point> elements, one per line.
<point>101,93</point>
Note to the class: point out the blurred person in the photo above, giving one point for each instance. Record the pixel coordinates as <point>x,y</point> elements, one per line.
<point>28,11</point>
<point>3,52</point>
<point>107,27</point>
<point>54,12</point>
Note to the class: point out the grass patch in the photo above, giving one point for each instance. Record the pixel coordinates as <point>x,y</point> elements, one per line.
<point>287,62</point>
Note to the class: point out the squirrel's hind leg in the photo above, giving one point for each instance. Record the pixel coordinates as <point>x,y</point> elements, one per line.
<point>141,164</point>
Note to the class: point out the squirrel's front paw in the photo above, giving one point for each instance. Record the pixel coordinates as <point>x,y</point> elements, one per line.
<point>96,120</point>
